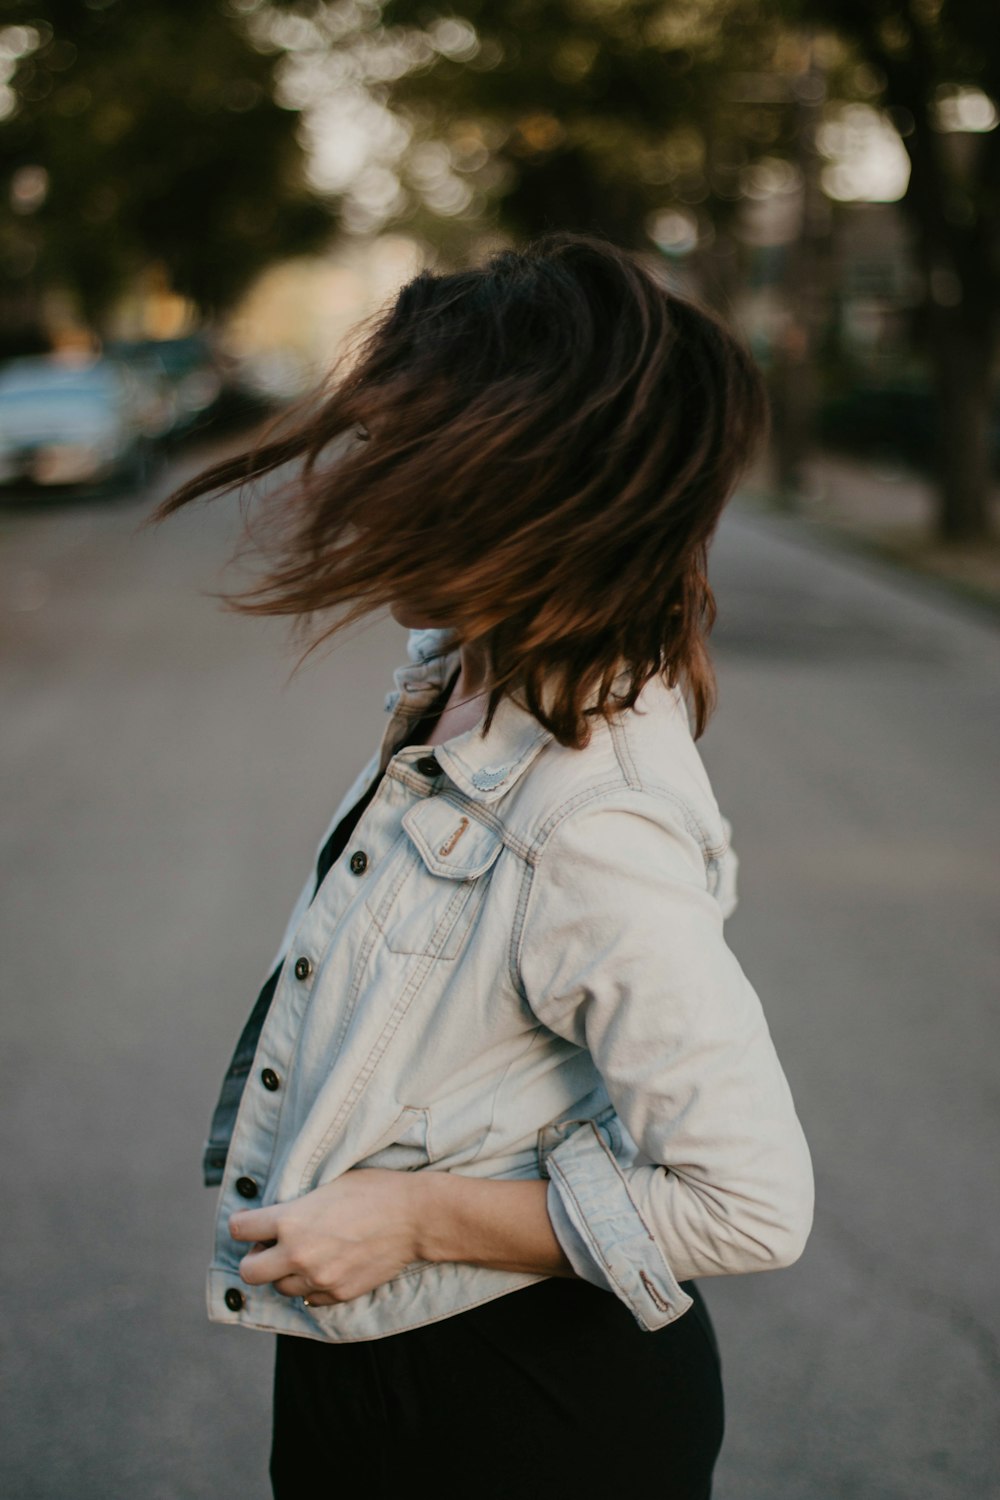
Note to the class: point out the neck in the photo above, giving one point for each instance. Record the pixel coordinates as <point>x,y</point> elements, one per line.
<point>473,676</point>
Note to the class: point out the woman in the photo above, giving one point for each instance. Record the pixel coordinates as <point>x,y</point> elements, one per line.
<point>507,1091</point>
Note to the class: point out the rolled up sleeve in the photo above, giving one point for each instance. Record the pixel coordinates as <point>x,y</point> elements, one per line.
<point>622,952</point>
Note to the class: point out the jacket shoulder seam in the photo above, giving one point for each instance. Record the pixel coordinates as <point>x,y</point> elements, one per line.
<point>710,846</point>
<point>604,790</point>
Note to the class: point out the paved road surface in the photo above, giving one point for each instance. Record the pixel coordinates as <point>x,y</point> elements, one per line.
<point>165,785</point>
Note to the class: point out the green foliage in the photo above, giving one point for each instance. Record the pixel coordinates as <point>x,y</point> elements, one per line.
<point>597,112</point>
<point>157,127</point>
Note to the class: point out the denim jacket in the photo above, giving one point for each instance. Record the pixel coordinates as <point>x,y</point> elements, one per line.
<point>518,970</point>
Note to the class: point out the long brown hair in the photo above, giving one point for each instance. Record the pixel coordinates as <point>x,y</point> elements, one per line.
<point>534,452</point>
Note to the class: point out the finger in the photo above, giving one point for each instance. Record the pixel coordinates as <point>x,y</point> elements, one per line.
<point>295,1286</point>
<point>260,1266</point>
<point>255,1223</point>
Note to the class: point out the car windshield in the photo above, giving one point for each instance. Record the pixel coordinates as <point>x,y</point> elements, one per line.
<point>40,407</point>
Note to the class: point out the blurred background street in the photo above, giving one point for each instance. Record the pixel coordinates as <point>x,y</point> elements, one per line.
<point>165,788</point>
<point>199,200</point>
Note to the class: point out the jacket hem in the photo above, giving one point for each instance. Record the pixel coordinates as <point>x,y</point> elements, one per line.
<point>363,1318</point>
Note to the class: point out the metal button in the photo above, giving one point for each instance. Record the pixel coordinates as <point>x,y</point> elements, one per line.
<point>270,1079</point>
<point>234,1299</point>
<point>428,766</point>
<point>359,862</point>
<point>303,968</point>
<point>246,1187</point>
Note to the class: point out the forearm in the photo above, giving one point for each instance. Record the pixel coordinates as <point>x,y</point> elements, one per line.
<point>483,1222</point>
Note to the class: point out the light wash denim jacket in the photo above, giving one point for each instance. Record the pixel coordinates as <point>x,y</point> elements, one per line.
<point>522,973</point>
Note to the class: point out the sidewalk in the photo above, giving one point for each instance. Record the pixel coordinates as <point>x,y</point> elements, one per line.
<point>889,511</point>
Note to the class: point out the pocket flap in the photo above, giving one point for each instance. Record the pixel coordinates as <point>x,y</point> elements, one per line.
<point>449,841</point>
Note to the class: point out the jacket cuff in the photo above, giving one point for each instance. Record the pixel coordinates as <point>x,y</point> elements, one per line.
<point>578,1253</point>
<point>594,1195</point>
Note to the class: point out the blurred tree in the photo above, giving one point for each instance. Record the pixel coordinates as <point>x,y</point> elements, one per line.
<point>595,113</point>
<point>932,59</point>
<point>591,114</point>
<point>137,136</point>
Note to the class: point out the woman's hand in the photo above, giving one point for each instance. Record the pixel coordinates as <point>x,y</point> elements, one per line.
<point>350,1235</point>
<point>337,1242</point>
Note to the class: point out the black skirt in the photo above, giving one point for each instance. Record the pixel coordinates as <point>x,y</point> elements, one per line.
<point>551,1391</point>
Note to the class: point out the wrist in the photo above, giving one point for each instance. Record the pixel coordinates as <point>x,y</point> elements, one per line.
<point>481,1222</point>
<point>433,1216</point>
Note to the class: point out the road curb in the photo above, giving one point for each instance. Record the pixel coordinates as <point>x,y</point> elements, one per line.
<point>981,602</point>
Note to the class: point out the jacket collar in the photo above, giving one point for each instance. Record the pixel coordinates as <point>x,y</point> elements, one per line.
<point>486,767</point>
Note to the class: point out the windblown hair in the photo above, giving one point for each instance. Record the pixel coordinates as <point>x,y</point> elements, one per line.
<point>551,438</point>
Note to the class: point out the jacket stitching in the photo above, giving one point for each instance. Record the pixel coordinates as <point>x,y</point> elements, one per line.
<point>628,1193</point>
<point>653,1293</point>
<point>513,772</point>
<point>694,825</point>
<point>450,842</point>
<point>457,799</point>
<point>421,969</point>
<point>623,753</point>
<point>572,804</point>
<point>516,928</point>
<point>585,1227</point>
<point>582,799</point>
<point>518,1058</point>
<point>437,942</point>
<point>402,1327</point>
<point>650,789</point>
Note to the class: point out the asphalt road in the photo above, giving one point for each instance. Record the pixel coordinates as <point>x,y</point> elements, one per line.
<point>165,783</point>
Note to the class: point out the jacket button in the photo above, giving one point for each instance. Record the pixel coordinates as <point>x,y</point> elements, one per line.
<point>303,968</point>
<point>234,1299</point>
<point>428,766</point>
<point>359,862</point>
<point>246,1187</point>
<point>270,1079</point>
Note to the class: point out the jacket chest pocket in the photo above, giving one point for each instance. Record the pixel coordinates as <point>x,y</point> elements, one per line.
<point>435,881</point>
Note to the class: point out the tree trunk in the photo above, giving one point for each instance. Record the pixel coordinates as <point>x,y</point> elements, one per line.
<point>952,203</point>
<point>793,407</point>
<point>963,379</point>
<point>807,294</point>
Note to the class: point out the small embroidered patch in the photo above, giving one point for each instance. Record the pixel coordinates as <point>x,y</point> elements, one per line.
<point>489,777</point>
<point>450,843</point>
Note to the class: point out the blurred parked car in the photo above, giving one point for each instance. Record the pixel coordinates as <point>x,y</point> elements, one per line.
<point>188,369</point>
<point>70,423</point>
<point>156,398</point>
